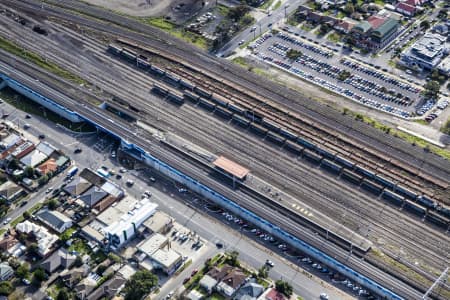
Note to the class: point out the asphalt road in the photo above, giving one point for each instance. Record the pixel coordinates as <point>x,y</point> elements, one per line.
<point>261,25</point>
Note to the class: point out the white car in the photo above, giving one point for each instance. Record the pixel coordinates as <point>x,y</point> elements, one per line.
<point>7,221</point>
<point>324,296</point>
<point>270,263</point>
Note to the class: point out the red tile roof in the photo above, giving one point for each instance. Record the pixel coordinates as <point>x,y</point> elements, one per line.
<point>275,295</point>
<point>406,7</point>
<point>376,21</point>
<point>413,2</point>
<point>347,26</point>
<point>48,166</point>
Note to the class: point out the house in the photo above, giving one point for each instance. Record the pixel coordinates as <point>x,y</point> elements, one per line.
<point>33,158</point>
<point>48,167</point>
<point>9,141</point>
<point>45,240</point>
<point>7,243</point>
<point>344,26</point>
<point>6,272</point>
<point>61,258</point>
<point>77,186</point>
<point>194,295</point>
<point>55,220</point>
<point>46,148</point>
<point>374,33</point>
<point>273,294</point>
<point>72,277</point>
<point>219,274</point>
<point>249,291</point>
<point>85,287</point>
<point>208,283</point>
<point>23,149</point>
<point>406,9</point>
<point>231,282</point>
<point>108,289</point>
<point>10,191</point>
<point>92,196</point>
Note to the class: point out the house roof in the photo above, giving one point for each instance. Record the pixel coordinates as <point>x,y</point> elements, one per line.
<point>208,282</point>
<point>46,148</point>
<point>48,166</point>
<point>93,195</point>
<point>251,290</point>
<point>347,26</point>
<point>405,7</point>
<point>33,158</point>
<point>92,177</point>
<point>386,27</point>
<point>376,21</point>
<point>23,149</point>
<point>363,26</point>
<point>275,295</point>
<point>8,242</point>
<point>9,189</point>
<point>57,259</point>
<point>5,270</point>
<point>234,279</point>
<point>54,219</point>
<point>77,186</point>
<point>218,274</point>
<point>109,288</point>
<point>62,160</point>
<point>413,2</point>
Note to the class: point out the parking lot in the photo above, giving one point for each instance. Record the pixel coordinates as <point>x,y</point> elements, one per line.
<point>370,86</point>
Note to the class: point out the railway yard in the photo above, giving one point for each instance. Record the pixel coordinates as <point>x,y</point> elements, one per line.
<point>373,202</point>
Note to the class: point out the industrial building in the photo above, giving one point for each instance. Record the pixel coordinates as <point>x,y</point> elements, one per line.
<point>156,253</point>
<point>426,53</point>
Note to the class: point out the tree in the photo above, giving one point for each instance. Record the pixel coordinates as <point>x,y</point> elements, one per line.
<point>26,215</point>
<point>43,180</point>
<point>349,8</point>
<point>232,258</point>
<point>23,271</point>
<point>431,89</point>
<point>263,272</point>
<point>324,28</point>
<point>115,258</point>
<point>63,295</point>
<point>78,261</point>
<point>293,54</point>
<point>424,24</point>
<point>140,284</point>
<point>52,204</point>
<point>33,249</point>
<point>39,276</point>
<point>237,12</point>
<point>28,172</point>
<point>443,13</point>
<point>101,269</point>
<point>6,288</point>
<point>284,288</point>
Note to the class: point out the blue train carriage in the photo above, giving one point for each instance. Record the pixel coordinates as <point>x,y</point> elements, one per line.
<point>171,78</point>
<point>202,93</point>
<point>129,55</point>
<point>392,197</point>
<point>223,112</point>
<point>241,121</point>
<point>269,124</point>
<point>236,108</point>
<point>191,97</point>
<point>331,166</point>
<point>372,187</point>
<point>414,208</point>
<point>351,176</point>
<point>114,49</point>
<point>344,162</point>
<point>401,190</point>
<point>156,71</point>
<point>427,202</point>
<point>143,64</point>
<point>311,156</point>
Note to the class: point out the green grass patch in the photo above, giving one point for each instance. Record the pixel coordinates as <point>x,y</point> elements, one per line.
<point>446,127</point>
<point>18,220</point>
<point>216,296</point>
<point>240,61</point>
<point>159,22</point>
<point>266,4</point>
<point>79,246</point>
<point>2,231</point>
<point>421,121</point>
<point>334,37</point>
<point>379,2</point>
<point>15,49</point>
<point>306,27</point>
<point>277,5</point>
<point>223,10</point>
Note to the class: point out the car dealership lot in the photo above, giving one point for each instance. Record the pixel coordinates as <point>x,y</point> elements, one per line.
<point>366,85</point>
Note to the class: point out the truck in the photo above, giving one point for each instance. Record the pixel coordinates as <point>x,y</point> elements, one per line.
<point>72,171</point>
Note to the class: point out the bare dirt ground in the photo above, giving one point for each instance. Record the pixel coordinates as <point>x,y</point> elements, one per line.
<point>141,8</point>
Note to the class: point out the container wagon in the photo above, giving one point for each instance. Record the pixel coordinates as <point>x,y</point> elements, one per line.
<point>114,49</point>
<point>255,128</point>
<point>364,172</point>
<point>236,108</point>
<point>426,202</point>
<point>393,197</point>
<point>384,181</point>
<point>223,112</point>
<point>293,148</point>
<point>186,84</point>
<point>436,219</point>
<point>311,156</point>
<point>157,71</point>
<point>191,97</point>
<point>202,92</point>
<point>219,100</point>
<point>171,78</point>
<point>207,104</point>
<point>325,153</point>
<point>275,138</point>
<point>371,186</point>
<point>272,126</point>
<point>444,211</point>
<point>351,176</point>
<point>405,192</point>
<point>288,134</point>
<point>306,144</point>
<point>175,97</point>
<point>240,121</point>
<point>143,64</point>
<point>344,162</point>
<point>331,166</point>
<point>414,208</point>
<point>159,90</point>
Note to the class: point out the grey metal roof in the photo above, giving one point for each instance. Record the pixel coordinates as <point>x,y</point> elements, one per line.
<point>93,195</point>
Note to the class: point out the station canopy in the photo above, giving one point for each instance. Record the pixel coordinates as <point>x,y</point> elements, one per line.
<point>231,167</point>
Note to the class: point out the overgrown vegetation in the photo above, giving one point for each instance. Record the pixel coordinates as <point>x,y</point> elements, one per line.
<point>293,54</point>
<point>446,127</point>
<point>140,284</point>
<point>19,51</point>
